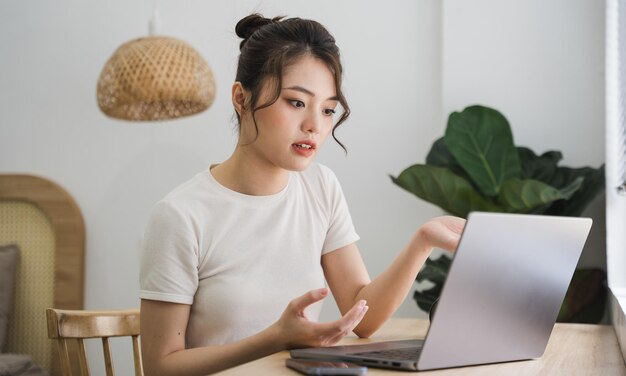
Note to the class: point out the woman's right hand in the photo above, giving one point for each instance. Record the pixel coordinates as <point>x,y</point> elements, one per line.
<point>295,330</point>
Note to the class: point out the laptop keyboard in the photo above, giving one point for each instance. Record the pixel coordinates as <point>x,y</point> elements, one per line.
<point>396,354</point>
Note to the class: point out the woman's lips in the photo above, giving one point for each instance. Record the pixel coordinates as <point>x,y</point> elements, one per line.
<point>304,149</point>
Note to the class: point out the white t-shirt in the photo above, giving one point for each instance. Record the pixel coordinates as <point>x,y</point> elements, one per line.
<point>239,259</point>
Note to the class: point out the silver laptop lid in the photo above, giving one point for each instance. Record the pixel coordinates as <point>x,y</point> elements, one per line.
<point>504,289</point>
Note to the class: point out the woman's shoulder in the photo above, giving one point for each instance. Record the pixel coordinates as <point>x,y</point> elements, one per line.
<point>318,171</point>
<point>187,193</point>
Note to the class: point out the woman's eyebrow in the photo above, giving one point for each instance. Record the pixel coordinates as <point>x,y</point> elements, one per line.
<point>308,92</point>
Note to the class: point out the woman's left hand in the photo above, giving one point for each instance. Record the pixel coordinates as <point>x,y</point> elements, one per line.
<point>442,232</point>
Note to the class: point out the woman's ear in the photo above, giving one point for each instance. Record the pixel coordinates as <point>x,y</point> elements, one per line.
<point>239,97</point>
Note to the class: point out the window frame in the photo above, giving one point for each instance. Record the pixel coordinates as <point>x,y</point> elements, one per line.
<point>616,163</point>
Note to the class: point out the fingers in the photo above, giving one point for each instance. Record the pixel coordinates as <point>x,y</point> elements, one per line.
<point>353,317</point>
<point>303,301</point>
<point>351,327</point>
<point>451,241</point>
<point>456,226</point>
<point>294,328</point>
<point>442,232</point>
<point>334,331</point>
<point>297,331</point>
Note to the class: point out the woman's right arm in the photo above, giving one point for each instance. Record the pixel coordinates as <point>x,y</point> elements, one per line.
<point>163,327</point>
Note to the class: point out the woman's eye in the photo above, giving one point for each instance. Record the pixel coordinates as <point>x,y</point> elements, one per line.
<point>329,111</point>
<point>296,103</point>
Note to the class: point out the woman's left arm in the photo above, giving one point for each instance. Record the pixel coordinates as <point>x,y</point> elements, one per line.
<point>349,281</point>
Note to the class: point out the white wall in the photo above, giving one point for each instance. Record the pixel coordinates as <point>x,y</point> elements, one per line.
<point>53,52</point>
<point>540,62</point>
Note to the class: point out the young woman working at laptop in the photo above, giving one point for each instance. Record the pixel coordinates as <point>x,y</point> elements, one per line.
<point>235,260</point>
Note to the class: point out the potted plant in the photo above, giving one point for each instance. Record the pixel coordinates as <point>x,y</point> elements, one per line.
<point>476,166</point>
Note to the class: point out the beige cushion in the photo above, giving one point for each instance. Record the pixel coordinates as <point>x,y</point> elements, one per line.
<point>9,257</point>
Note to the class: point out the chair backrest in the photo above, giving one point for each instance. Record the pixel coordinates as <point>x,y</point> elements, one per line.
<point>64,325</point>
<point>46,224</point>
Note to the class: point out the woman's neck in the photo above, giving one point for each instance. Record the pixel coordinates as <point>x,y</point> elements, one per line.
<point>250,176</point>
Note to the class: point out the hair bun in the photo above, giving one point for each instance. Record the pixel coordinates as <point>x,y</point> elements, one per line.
<point>250,24</point>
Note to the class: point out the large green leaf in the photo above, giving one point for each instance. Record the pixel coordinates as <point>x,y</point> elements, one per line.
<point>443,188</point>
<point>585,299</point>
<point>593,184</point>
<point>481,141</point>
<point>426,298</point>
<point>540,168</point>
<point>440,156</point>
<point>523,196</point>
<point>544,168</point>
<point>435,270</point>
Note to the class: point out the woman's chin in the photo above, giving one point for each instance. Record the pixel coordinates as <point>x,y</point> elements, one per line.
<point>299,165</point>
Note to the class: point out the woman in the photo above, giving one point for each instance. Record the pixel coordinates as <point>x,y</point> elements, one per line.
<point>234,262</point>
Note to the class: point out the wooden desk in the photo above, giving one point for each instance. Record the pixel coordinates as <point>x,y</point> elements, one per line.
<point>573,349</point>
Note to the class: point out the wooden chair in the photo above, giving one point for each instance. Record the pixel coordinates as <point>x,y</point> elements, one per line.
<point>64,325</point>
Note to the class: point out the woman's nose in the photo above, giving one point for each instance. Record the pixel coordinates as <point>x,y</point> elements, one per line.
<point>312,123</point>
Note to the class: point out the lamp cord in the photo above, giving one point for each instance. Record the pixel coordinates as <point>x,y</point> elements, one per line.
<point>155,22</point>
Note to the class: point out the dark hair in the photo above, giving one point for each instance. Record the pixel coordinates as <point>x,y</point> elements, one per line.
<point>270,45</point>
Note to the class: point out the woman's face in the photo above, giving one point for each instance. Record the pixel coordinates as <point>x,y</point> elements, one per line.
<point>293,129</point>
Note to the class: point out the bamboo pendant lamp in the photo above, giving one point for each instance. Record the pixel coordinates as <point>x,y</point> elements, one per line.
<point>155,78</point>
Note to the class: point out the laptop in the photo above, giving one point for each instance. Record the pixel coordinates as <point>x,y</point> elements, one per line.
<point>499,302</point>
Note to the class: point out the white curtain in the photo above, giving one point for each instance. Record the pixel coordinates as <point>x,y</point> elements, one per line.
<point>616,144</point>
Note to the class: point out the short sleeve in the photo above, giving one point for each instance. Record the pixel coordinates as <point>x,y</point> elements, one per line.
<point>341,231</point>
<point>169,257</point>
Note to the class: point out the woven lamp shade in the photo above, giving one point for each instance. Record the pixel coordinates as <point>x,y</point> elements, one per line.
<point>155,78</point>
